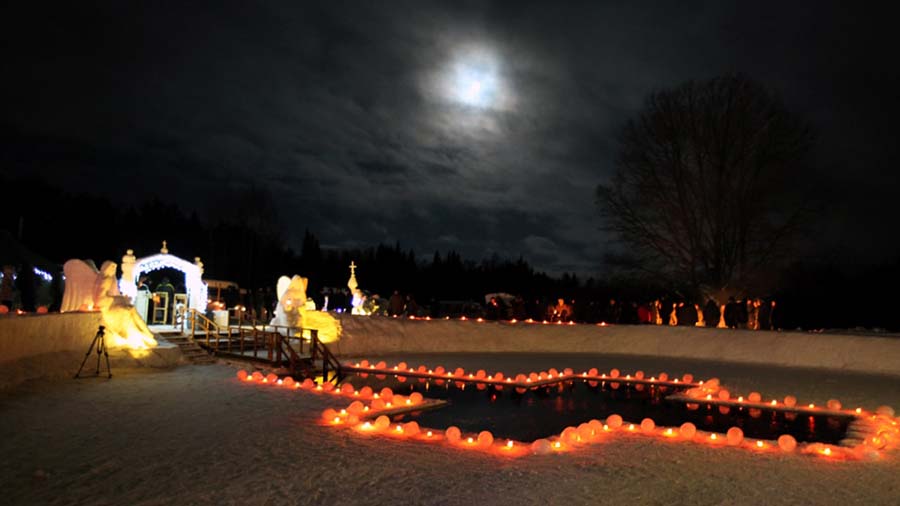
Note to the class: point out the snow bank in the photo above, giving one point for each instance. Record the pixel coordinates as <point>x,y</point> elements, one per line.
<point>197,435</point>
<point>372,336</point>
<point>53,345</point>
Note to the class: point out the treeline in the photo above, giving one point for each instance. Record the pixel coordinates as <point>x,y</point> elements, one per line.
<point>245,242</point>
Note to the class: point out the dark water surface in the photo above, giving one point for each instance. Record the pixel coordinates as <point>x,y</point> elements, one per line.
<point>526,415</point>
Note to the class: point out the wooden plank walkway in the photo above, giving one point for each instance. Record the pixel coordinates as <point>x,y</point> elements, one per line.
<point>734,403</point>
<point>469,378</point>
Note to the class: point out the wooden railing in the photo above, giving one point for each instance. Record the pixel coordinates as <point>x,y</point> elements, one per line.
<point>209,327</point>
<point>279,342</point>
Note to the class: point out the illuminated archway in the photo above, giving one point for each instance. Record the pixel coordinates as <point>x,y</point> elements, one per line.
<point>133,267</point>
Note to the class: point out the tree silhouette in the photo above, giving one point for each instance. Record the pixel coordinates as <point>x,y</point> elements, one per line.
<point>705,186</point>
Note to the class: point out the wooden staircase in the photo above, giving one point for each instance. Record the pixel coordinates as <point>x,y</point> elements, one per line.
<point>190,349</point>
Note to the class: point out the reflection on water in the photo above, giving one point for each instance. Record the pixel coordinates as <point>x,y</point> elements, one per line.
<point>526,415</point>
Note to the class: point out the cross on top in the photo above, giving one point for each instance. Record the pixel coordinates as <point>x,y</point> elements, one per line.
<point>352,268</point>
<point>164,249</point>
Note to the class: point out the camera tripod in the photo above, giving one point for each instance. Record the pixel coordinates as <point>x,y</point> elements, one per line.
<point>100,343</point>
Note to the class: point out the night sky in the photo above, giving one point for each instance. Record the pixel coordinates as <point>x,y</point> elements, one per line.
<point>482,127</point>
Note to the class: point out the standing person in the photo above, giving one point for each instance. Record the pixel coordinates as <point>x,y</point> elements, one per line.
<point>731,313</point>
<point>518,308</point>
<point>742,314</point>
<point>673,316</point>
<point>412,307</point>
<point>765,312</point>
<point>656,317</point>
<point>25,282</point>
<point>644,314</point>
<point>7,289</point>
<point>711,313</point>
<point>561,312</point>
<point>395,304</point>
<point>686,314</point>
<point>753,314</point>
<point>613,312</point>
<point>774,316</point>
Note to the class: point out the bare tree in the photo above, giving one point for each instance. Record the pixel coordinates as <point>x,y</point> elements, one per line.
<point>708,181</point>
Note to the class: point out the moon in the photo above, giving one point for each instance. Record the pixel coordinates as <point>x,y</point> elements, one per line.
<point>473,80</point>
<point>476,86</point>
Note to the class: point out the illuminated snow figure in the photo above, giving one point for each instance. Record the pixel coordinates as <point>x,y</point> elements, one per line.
<point>291,301</point>
<point>89,289</point>
<point>295,310</point>
<point>359,297</point>
<point>81,276</point>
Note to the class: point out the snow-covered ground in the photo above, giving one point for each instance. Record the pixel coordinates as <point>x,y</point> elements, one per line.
<point>196,435</point>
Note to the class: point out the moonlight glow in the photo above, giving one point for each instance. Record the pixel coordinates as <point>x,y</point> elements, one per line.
<point>475,85</point>
<point>472,80</point>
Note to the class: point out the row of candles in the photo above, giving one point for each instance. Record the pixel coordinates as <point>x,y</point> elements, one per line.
<point>368,418</point>
<point>709,391</point>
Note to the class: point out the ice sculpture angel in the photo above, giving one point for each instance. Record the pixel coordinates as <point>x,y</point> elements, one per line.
<point>81,276</point>
<point>86,288</point>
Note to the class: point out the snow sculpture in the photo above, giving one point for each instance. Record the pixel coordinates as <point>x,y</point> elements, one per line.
<point>88,289</point>
<point>359,297</point>
<point>81,276</point>
<point>291,301</point>
<point>295,311</point>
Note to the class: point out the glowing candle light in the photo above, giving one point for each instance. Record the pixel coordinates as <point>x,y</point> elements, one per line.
<point>826,452</point>
<point>713,437</point>
<point>687,430</point>
<point>509,443</point>
<point>759,444</point>
<point>858,410</point>
<point>787,443</point>
<point>630,426</point>
<point>470,440</point>
<point>367,426</point>
<point>557,444</point>
<point>774,402</point>
<point>337,419</point>
<point>428,434</point>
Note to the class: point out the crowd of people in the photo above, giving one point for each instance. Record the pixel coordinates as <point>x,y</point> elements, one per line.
<point>748,313</point>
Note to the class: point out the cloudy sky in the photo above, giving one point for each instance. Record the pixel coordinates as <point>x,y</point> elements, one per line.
<point>482,127</point>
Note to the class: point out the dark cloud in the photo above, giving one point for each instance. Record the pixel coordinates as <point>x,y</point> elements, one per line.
<point>341,109</point>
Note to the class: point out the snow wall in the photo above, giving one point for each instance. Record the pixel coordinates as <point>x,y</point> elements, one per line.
<point>53,345</point>
<point>372,336</point>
